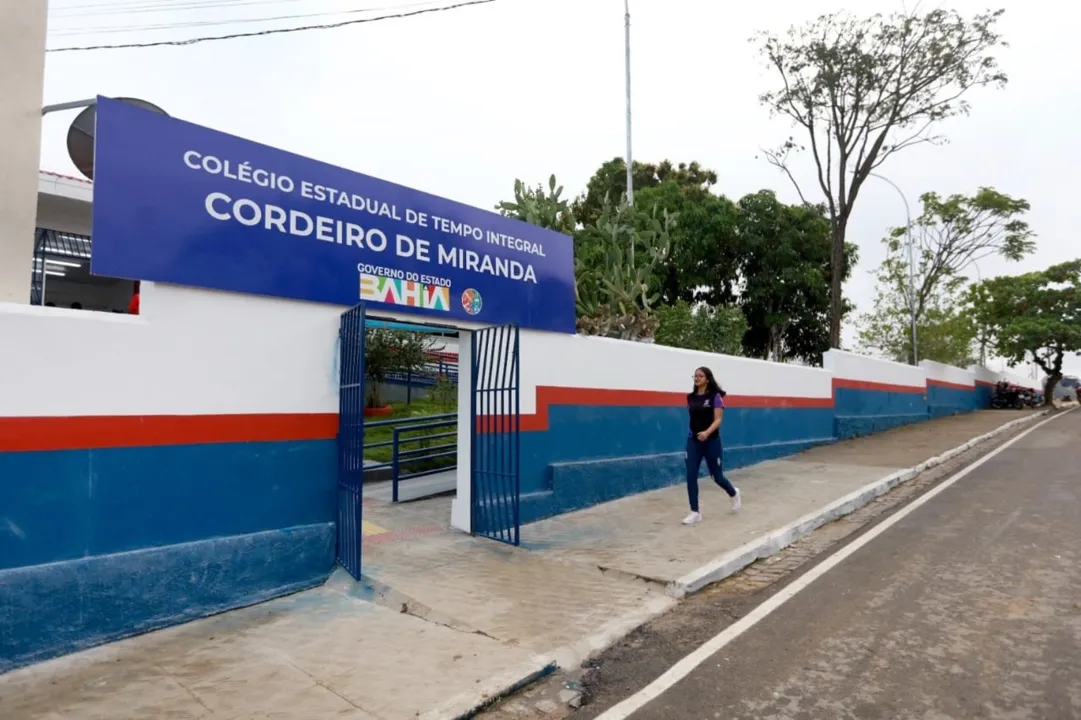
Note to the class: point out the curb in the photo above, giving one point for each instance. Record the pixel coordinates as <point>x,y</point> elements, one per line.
<point>468,705</point>
<point>775,541</point>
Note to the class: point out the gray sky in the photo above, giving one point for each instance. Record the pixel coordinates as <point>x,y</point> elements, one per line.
<point>460,103</point>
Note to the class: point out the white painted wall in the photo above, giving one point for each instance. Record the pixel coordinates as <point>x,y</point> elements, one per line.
<point>22,77</point>
<point>593,362</point>
<point>1022,380</point>
<point>190,352</point>
<point>52,184</point>
<point>850,366</point>
<point>982,374</point>
<point>948,373</point>
<point>449,344</point>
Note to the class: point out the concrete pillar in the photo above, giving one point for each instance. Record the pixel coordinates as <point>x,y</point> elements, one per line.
<point>22,77</point>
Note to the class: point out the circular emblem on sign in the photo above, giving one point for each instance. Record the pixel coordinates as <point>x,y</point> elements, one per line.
<point>471,301</point>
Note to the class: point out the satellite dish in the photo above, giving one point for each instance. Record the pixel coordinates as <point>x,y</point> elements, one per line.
<point>81,134</point>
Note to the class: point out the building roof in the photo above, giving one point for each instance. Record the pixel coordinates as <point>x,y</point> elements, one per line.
<point>66,186</point>
<point>50,173</point>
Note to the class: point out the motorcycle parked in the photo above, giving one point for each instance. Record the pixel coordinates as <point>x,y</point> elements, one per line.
<point>1006,397</point>
<point>1012,397</point>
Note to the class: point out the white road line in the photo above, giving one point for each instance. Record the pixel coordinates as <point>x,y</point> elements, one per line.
<point>684,667</point>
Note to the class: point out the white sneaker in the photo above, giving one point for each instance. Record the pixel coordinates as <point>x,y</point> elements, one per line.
<point>737,501</point>
<point>693,519</point>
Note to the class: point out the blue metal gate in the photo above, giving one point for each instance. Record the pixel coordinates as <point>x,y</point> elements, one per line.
<point>494,430</point>
<point>351,439</point>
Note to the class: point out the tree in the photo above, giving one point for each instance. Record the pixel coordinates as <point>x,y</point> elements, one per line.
<point>952,234</point>
<point>1034,316</point>
<point>703,263</point>
<point>701,327</point>
<point>949,235</point>
<point>388,351</point>
<point>610,181</point>
<point>945,330</point>
<point>785,270</point>
<point>862,89</point>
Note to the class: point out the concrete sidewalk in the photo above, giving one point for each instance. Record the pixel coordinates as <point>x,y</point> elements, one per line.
<point>446,620</point>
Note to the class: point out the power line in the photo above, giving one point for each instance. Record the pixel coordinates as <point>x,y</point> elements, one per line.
<point>135,8</point>
<point>68,32</point>
<point>277,31</point>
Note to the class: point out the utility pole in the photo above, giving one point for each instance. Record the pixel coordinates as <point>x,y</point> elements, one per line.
<point>981,337</point>
<point>630,160</point>
<point>627,43</point>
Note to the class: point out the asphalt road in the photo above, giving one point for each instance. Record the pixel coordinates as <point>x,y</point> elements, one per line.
<point>969,607</point>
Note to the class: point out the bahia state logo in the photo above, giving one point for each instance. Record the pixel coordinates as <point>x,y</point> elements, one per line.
<point>471,301</point>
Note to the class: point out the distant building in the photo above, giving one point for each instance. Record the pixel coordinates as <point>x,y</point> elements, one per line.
<point>1068,387</point>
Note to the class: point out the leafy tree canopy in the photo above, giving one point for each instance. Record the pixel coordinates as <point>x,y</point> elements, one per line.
<point>945,330</point>
<point>704,259</point>
<point>949,236</point>
<point>784,263</point>
<point>953,233</point>
<point>610,181</point>
<point>1034,316</point>
<point>701,327</point>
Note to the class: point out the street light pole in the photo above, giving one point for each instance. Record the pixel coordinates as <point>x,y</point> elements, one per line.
<point>68,106</point>
<point>982,339</point>
<point>911,266</point>
<point>627,44</point>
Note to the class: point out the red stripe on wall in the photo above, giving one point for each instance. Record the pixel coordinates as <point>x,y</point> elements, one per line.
<point>91,432</point>
<point>952,386</point>
<point>86,432</point>
<point>881,387</point>
<point>606,397</point>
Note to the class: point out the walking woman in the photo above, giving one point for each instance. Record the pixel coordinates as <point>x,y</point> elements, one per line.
<point>706,408</point>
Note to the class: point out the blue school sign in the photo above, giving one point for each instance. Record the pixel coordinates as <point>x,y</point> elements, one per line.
<point>179,203</point>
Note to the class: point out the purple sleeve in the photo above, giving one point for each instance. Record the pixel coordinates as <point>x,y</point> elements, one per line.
<point>718,402</point>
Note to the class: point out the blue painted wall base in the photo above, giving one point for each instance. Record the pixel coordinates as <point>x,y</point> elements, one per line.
<point>96,545</point>
<point>943,401</point>
<point>860,412</point>
<point>852,426</point>
<point>577,485</point>
<point>595,454</point>
<point>63,607</point>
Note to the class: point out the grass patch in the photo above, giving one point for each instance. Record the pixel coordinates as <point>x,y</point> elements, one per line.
<point>420,407</point>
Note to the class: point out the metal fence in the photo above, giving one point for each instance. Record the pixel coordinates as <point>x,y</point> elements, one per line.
<point>53,252</point>
<point>439,365</point>
<point>409,432</point>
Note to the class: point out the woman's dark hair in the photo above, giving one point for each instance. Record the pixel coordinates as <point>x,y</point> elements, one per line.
<point>712,387</point>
